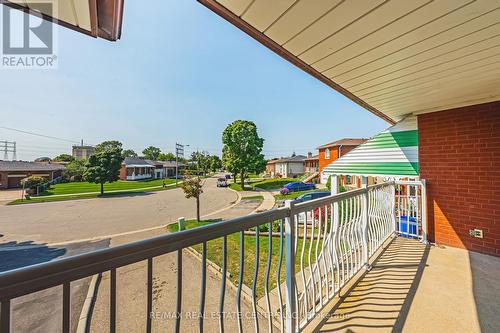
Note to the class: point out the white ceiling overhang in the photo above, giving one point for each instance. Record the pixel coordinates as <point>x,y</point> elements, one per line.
<point>97,18</point>
<point>392,57</point>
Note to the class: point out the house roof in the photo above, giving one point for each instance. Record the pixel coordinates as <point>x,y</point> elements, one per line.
<point>393,152</point>
<point>29,166</point>
<point>137,161</point>
<point>344,142</point>
<point>393,58</point>
<point>296,158</point>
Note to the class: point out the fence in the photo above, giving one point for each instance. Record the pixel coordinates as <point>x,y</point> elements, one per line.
<point>318,258</point>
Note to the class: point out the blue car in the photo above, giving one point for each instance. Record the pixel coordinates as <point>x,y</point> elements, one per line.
<point>297,186</point>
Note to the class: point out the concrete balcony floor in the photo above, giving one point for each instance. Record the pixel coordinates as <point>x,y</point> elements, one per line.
<point>417,288</point>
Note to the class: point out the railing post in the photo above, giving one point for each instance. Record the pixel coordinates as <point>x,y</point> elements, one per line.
<point>393,207</point>
<point>424,212</point>
<point>334,189</point>
<point>291,311</point>
<point>365,220</point>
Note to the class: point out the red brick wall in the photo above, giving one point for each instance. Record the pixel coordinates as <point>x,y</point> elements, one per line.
<point>123,172</point>
<point>459,155</point>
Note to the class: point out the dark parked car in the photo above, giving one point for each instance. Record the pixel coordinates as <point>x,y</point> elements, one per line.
<point>311,196</point>
<point>297,186</point>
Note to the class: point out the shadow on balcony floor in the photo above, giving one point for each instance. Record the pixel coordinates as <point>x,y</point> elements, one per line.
<point>418,288</point>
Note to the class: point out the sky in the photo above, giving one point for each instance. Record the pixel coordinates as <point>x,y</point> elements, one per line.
<point>180,73</point>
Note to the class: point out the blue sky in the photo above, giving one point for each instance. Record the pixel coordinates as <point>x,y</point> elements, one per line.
<point>179,73</point>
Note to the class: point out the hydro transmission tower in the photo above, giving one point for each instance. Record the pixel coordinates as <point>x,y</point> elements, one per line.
<point>8,147</point>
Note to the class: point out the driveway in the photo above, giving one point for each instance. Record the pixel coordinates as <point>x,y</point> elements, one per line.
<point>7,196</point>
<point>56,222</point>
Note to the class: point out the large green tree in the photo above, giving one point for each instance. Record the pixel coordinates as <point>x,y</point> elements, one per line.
<point>63,158</point>
<point>215,163</point>
<point>103,167</point>
<point>242,151</point>
<point>166,157</point>
<point>151,153</point>
<point>202,161</point>
<point>129,153</point>
<point>74,171</point>
<point>109,145</point>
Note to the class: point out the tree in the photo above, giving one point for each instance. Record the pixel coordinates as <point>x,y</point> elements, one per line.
<point>215,163</point>
<point>103,167</point>
<point>166,157</point>
<point>193,188</point>
<point>151,153</point>
<point>242,148</point>
<point>74,171</point>
<point>202,160</point>
<point>129,153</point>
<point>63,158</point>
<point>109,145</point>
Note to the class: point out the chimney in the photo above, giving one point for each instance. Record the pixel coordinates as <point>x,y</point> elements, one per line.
<point>309,155</point>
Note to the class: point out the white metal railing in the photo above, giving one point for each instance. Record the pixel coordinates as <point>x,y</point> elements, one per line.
<point>411,213</point>
<point>332,245</point>
<point>320,258</point>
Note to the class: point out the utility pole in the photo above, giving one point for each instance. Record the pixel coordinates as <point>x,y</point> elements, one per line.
<point>179,151</point>
<point>8,147</point>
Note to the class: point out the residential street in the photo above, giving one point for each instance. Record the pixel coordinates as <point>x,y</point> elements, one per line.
<point>65,221</point>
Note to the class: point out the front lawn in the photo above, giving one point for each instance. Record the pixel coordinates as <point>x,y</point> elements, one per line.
<point>274,183</point>
<point>214,254</point>
<point>253,198</point>
<point>85,190</point>
<point>85,187</point>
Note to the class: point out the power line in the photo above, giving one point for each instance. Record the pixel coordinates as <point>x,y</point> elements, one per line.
<point>38,134</point>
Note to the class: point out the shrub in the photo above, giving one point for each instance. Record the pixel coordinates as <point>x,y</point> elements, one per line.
<point>284,191</point>
<point>33,181</point>
<point>329,183</point>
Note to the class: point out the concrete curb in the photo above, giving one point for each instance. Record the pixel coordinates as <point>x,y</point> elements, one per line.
<point>86,314</point>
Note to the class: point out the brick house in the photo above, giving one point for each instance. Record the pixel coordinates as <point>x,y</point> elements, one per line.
<point>271,167</point>
<point>12,172</point>
<point>311,163</point>
<point>329,152</point>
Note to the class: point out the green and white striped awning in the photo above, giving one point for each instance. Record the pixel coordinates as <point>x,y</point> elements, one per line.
<point>393,152</point>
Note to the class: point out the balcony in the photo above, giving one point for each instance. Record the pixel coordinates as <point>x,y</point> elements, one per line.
<point>340,263</point>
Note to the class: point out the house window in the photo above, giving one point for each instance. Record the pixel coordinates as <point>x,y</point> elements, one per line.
<point>327,153</point>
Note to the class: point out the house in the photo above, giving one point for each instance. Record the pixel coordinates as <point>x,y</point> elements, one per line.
<point>271,167</point>
<point>12,172</point>
<point>331,151</point>
<point>137,168</point>
<point>290,167</point>
<point>311,164</point>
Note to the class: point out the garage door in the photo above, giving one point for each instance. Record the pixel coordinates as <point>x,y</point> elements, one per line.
<point>14,182</point>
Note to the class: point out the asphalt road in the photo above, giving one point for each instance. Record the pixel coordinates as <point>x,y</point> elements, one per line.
<point>26,232</point>
<point>64,221</point>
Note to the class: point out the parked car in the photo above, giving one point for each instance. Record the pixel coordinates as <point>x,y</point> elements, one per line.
<point>222,182</point>
<point>227,176</point>
<point>297,186</point>
<point>311,196</point>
